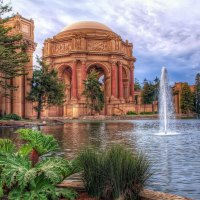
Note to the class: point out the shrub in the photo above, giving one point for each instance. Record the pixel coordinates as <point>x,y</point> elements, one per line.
<point>12,117</point>
<point>148,113</point>
<point>131,113</point>
<point>114,173</point>
<point>30,172</point>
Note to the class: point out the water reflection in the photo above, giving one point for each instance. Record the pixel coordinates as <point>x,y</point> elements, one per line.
<point>175,158</point>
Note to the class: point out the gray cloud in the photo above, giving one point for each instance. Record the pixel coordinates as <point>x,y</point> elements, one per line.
<point>163,32</point>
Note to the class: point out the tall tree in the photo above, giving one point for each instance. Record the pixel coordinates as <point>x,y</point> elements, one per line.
<point>12,53</point>
<point>148,92</point>
<point>156,88</point>
<point>187,99</point>
<point>137,85</point>
<point>46,88</point>
<point>197,91</point>
<point>93,92</point>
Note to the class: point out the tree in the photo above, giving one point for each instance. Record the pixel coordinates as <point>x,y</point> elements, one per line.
<point>93,92</point>
<point>187,99</point>
<point>137,85</point>
<point>21,179</point>
<point>46,88</point>
<point>148,92</point>
<point>156,88</point>
<point>12,54</point>
<point>197,93</point>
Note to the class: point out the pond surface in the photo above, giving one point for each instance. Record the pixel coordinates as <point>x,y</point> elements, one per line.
<point>175,157</point>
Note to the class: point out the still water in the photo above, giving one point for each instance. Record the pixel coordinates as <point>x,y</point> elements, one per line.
<point>175,157</point>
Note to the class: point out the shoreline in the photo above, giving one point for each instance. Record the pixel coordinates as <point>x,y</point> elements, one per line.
<point>62,120</point>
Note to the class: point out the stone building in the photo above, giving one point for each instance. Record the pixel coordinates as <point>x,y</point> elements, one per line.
<point>81,47</point>
<point>18,103</point>
<point>177,88</point>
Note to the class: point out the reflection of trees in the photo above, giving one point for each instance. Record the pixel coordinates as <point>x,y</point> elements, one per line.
<point>74,136</point>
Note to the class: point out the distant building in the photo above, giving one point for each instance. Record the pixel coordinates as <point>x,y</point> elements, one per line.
<point>81,47</point>
<point>177,88</point>
<point>18,103</point>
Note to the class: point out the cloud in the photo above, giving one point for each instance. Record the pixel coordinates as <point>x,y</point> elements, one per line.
<point>163,32</point>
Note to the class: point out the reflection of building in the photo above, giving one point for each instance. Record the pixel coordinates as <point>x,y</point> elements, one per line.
<point>18,104</point>
<point>81,47</point>
<point>177,88</point>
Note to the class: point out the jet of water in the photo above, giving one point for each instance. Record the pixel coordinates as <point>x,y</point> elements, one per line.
<point>166,108</point>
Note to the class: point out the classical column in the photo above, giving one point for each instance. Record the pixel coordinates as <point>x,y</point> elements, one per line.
<point>113,80</point>
<point>120,82</point>
<point>83,70</point>
<point>8,100</point>
<point>131,83</point>
<point>74,80</point>
<point>17,96</point>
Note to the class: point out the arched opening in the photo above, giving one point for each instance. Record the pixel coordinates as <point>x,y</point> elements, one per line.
<point>102,80</point>
<point>65,75</point>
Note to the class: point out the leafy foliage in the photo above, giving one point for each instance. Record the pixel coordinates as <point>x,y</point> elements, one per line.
<point>43,144</point>
<point>93,92</point>
<point>46,88</point>
<point>131,113</point>
<point>187,99</point>
<point>150,91</point>
<point>6,146</point>
<point>197,93</point>
<point>12,54</point>
<point>23,181</point>
<point>12,117</point>
<point>137,85</point>
<point>114,173</point>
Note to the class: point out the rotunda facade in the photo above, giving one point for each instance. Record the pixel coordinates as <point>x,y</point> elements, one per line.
<point>87,45</point>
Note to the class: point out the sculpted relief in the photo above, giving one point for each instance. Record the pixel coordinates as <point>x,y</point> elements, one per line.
<point>61,48</point>
<point>98,45</point>
<point>123,49</point>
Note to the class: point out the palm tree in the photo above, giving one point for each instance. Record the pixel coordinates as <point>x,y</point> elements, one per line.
<point>27,174</point>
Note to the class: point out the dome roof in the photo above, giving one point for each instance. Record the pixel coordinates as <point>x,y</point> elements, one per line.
<point>86,25</point>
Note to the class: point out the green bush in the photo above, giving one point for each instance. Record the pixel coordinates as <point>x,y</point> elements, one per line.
<point>131,113</point>
<point>30,171</point>
<point>148,113</point>
<point>12,117</point>
<point>114,173</point>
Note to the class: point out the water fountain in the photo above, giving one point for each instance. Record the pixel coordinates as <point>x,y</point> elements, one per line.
<point>166,108</point>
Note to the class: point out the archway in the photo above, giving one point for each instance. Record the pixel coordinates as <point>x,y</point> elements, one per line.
<point>103,77</point>
<point>65,75</point>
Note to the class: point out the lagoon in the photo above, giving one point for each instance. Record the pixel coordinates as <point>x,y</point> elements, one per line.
<point>175,157</point>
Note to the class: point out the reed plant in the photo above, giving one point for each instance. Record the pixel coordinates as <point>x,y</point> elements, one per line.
<point>114,173</point>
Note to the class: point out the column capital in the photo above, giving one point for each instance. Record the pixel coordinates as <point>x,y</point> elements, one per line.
<point>83,61</point>
<point>113,62</point>
<point>74,61</point>
<point>119,63</point>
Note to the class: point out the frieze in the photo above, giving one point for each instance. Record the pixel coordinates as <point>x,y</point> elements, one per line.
<point>123,49</point>
<point>98,45</point>
<point>61,48</point>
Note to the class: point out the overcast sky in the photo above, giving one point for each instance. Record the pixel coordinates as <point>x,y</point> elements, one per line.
<point>163,32</point>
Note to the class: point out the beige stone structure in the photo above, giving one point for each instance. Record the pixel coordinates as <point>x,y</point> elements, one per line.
<point>177,88</point>
<point>18,103</point>
<point>81,47</point>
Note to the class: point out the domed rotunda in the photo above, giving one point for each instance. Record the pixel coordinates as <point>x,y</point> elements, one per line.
<point>81,47</point>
